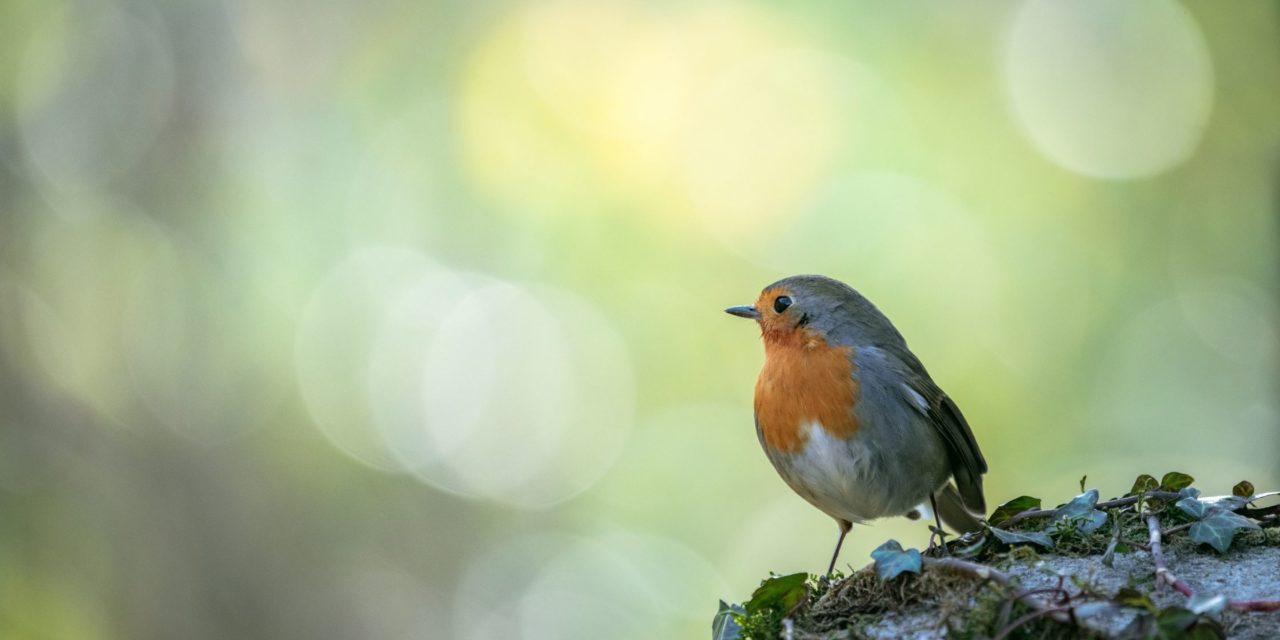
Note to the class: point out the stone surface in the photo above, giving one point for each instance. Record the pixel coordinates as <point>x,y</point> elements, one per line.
<point>1241,574</point>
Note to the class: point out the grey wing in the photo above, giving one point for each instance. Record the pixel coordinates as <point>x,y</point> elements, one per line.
<point>967,463</point>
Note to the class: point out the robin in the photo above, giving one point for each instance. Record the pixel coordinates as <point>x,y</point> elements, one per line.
<point>850,418</point>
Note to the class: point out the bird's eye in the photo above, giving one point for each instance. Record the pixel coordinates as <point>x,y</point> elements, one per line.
<point>781,303</point>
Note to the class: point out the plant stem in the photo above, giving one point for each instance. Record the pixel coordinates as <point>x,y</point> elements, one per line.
<point>1157,554</point>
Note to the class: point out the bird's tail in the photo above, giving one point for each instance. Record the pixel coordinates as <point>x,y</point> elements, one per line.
<point>954,514</point>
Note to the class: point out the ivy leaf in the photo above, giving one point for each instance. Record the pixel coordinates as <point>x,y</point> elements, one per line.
<point>1012,508</point>
<point>1023,537</point>
<point>1175,481</point>
<point>779,592</point>
<point>1192,507</point>
<point>1141,484</point>
<point>1081,507</point>
<point>1244,488</point>
<point>891,560</point>
<point>1173,623</point>
<point>1206,629</point>
<point>1176,622</point>
<point>725,625</point>
<point>1228,503</point>
<point>1218,527</point>
<point>1131,597</point>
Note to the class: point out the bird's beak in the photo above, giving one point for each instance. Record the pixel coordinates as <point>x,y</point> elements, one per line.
<point>743,312</point>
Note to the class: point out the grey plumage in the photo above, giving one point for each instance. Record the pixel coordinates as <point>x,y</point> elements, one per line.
<point>901,407</point>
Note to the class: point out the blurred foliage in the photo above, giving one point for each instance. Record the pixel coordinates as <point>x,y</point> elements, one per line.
<point>386,319</point>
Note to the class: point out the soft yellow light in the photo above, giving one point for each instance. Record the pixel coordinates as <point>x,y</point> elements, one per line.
<point>1110,89</point>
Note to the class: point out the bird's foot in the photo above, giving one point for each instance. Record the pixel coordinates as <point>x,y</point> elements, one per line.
<point>940,546</point>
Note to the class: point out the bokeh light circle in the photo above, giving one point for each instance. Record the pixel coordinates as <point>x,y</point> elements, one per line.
<point>1109,89</point>
<point>618,584</point>
<point>94,92</point>
<point>334,337</point>
<point>490,386</point>
<point>495,579</point>
<point>524,395</point>
<point>479,387</point>
<point>397,394</point>
<point>1234,317</point>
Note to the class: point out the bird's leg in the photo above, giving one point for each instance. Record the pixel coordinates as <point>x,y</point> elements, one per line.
<point>845,526</point>
<point>937,531</point>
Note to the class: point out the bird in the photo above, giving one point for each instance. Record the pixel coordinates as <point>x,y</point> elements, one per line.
<point>850,418</point>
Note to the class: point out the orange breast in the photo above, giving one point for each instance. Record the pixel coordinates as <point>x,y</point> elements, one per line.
<point>804,380</point>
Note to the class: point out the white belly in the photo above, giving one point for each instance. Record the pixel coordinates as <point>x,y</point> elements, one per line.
<point>844,479</point>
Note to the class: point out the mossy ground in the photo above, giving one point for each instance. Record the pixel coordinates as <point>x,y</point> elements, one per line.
<point>944,604</point>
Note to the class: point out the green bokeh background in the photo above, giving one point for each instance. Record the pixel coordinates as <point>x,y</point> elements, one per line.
<point>392,319</point>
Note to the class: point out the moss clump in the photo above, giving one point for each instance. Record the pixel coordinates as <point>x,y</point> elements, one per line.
<point>966,607</point>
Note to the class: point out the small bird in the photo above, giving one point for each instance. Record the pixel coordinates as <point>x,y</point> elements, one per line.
<point>850,418</point>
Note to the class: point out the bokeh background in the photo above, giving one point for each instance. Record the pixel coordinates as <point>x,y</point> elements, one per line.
<point>403,320</point>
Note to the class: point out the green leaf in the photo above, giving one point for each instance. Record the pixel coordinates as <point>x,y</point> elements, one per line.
<point>1023,537</point>
<point>891,560</point>
<point>1131,597</point>
<point>1244,488</point>
<point>1175,481</point>
<point>1218,527</point>
<point>1182,624</point>
<point>1082,479</point>
<point>1192,507</point>
<point>725,625</point>
<point>1081,508</point>
<point>1012,508</point>
<point>1205,629</point>
<point>1142,483</point>
<point>1174,621</point>
<point>779,592</point>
